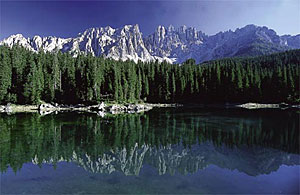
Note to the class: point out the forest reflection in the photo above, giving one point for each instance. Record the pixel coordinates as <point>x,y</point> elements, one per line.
<point>172,140</point>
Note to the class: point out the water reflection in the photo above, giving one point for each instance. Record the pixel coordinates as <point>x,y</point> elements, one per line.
<point>172,140</point>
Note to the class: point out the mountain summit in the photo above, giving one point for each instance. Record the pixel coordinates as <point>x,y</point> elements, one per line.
<point>166,43</point>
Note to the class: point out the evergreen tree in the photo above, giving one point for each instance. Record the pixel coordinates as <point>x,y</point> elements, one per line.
<point>5,73</point>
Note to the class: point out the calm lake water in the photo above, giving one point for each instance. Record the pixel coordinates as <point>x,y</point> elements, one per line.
<point>164,151</point>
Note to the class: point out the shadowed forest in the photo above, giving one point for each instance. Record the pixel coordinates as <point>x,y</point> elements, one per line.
<point>27,78</point>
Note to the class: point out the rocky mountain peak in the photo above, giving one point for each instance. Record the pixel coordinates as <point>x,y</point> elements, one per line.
<point>175,45</point>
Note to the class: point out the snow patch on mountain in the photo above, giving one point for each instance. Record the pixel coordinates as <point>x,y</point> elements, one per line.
<point>165,44</point>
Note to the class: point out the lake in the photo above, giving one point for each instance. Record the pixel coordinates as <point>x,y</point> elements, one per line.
<point>163,151</point>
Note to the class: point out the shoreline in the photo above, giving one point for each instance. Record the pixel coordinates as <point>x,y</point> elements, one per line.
<point>100,109</point>
<point>104,108</point>
<point>249,105</point>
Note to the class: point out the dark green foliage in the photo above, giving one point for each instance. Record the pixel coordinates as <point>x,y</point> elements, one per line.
<point>27,78</point>
<point>5,73</point>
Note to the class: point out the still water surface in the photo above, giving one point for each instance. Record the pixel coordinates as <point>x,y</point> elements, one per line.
<point>164,151</point>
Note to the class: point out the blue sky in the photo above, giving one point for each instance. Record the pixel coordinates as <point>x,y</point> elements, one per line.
<point>68,18</point>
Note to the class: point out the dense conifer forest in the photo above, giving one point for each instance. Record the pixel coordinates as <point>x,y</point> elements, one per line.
<point>27,78</point>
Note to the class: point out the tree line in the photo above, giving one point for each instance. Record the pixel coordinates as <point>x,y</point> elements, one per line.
<point>27,77</point>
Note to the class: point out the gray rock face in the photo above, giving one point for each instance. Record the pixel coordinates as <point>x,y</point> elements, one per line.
<point>166,43</point>
<point>124,43</point>
<point>46,107</point>
<point>291,41</point>
<point>177,45</point>
<point>101,107</point>
<point>2,108</point>
<point>8,108</point>
<point>130,108</point>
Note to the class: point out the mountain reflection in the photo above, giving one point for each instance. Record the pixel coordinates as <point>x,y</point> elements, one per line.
<point>171,140</point>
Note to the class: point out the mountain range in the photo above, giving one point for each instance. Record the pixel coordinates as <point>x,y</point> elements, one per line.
<point>174,45</point>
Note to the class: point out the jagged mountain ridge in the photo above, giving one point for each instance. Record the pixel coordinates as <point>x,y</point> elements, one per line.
<point>166,43</point>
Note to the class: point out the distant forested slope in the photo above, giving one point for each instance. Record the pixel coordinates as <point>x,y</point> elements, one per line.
<point>27,77</point>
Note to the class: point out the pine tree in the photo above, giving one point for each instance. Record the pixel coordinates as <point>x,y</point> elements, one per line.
<point>173,87</point>
<point>32,84</point>
<point>5,74</point>
<point>139,85</point>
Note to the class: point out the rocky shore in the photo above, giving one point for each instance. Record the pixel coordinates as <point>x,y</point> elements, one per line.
<point>100,109</point>
<point>103,108</point>
<point>245,106</point>
<point>264,106</point>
